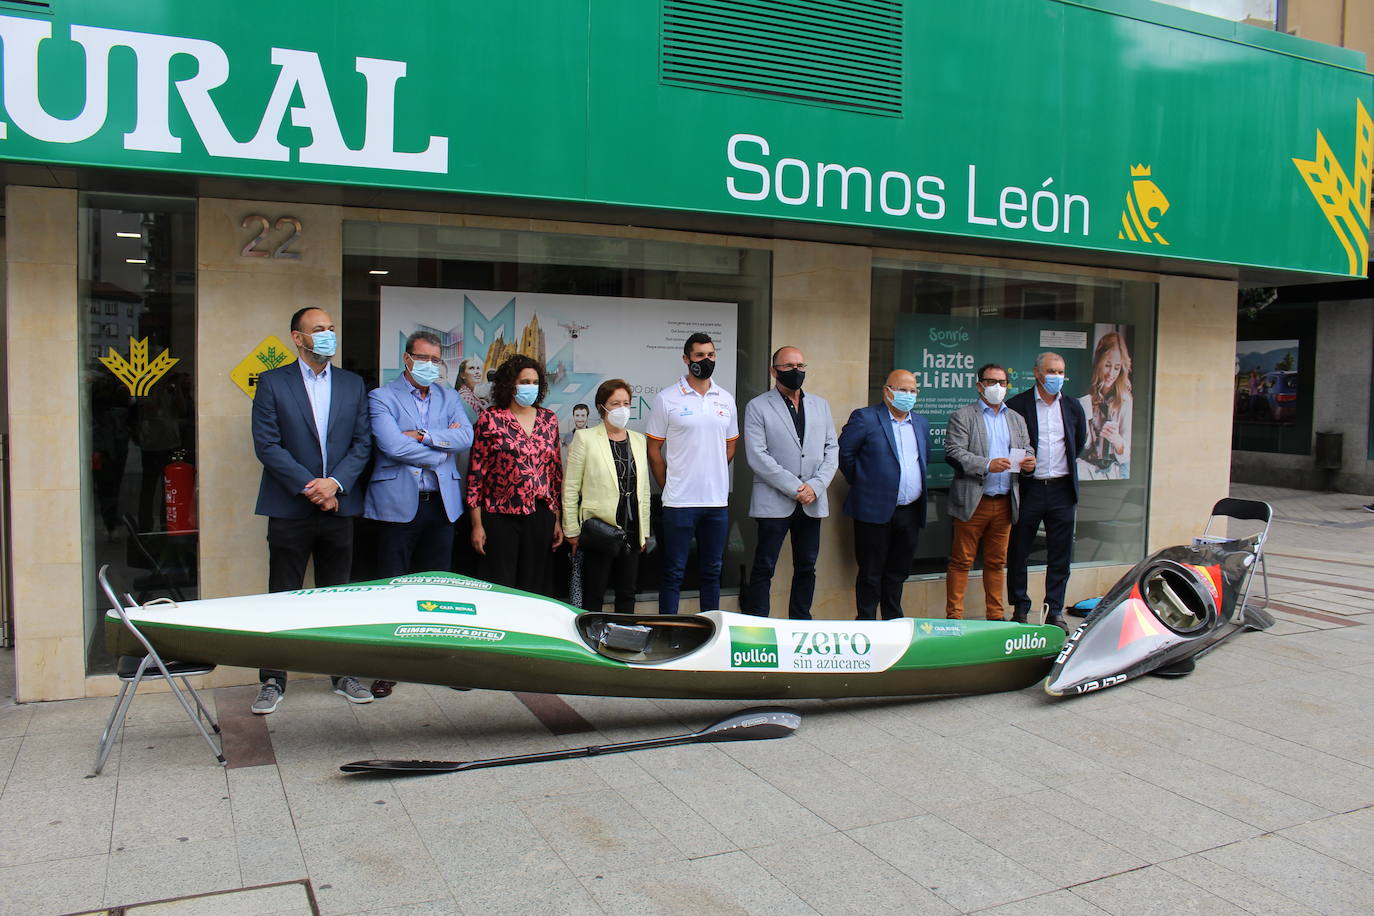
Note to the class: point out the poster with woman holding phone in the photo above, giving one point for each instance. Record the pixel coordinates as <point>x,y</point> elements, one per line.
<point>1107,405</point>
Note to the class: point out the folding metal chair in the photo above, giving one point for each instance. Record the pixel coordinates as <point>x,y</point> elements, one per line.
<point>1252,510</point>
<point>133,671</point>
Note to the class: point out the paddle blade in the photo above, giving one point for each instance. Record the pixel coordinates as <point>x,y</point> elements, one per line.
<point>753,724</point>
<point>401,766</point>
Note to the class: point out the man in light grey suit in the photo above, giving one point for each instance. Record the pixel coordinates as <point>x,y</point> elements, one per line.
<point>983,497</point>
<point>789,440</point>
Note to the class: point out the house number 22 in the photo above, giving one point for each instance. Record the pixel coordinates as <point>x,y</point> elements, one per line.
<point>251,250</point>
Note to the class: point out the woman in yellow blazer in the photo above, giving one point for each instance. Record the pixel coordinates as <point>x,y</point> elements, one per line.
<point>606,476</point>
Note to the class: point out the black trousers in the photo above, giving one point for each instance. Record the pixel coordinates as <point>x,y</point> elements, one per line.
<point>1051,502</point>
<point>519,550</point>
<point>619,570</point>
<point>423,544</point>
<point>884,552</point>
<point>806,544</point>
<point>326,537</point>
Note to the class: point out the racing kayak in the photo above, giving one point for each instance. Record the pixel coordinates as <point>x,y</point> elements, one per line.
<point>448,629</point>
<point>1169,609</point>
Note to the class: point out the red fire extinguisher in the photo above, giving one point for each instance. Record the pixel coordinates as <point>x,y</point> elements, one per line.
<point>179,494</point>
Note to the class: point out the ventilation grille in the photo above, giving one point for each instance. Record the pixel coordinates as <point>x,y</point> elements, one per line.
<point>841,53</point>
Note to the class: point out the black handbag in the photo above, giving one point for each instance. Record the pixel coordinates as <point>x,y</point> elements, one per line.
<point>600,537</point>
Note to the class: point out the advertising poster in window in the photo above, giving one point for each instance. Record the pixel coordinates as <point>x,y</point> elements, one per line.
<point>945,352</point>
<point>581,340</point>
<point>1266,381</point>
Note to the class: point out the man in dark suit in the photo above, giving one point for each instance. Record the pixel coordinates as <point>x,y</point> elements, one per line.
<point>311,433</point>
<point>883,453</point>
<point>1058,430</point>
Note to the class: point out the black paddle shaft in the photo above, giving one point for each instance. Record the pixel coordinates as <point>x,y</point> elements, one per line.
<point>748,725</point>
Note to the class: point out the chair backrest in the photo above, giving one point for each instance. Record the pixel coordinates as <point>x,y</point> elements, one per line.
<point>1246,509</point>
<point>123,612</point>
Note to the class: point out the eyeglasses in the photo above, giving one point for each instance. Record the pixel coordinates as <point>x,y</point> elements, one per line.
<point>425,359</point>
<point>786,366</point>
<point>994,381</point>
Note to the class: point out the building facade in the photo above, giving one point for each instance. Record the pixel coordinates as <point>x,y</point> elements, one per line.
<point>886,183</point>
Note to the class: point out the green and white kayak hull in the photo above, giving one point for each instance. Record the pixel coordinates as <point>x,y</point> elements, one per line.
<point>446,629</point>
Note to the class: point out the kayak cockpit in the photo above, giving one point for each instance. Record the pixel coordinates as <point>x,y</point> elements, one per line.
<point>645,637</point>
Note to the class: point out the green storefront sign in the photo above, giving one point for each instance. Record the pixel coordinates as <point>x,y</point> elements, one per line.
<point>1113,125</point>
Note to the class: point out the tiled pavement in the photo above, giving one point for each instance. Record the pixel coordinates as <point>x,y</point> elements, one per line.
<point>1247,787</point>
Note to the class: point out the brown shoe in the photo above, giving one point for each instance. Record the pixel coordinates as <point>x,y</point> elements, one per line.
<point>382,689</point>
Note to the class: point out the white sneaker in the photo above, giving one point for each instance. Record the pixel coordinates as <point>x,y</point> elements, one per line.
<point>269,696</point>
<point>352,690</point>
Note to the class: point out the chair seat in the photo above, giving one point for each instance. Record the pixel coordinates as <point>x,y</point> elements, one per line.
<point>127,668</point>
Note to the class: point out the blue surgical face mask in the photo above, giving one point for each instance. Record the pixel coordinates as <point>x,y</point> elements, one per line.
<point>903,401</point>
<point>324,343</point>
<point>525,395</point>
<point>424,372</point>
<point>1053,383</point>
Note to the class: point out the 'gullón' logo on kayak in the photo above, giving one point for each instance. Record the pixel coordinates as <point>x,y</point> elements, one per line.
<point>452,632</point>
<point>1026,641</point>
<point>446,607</point>
<point>753,647</point>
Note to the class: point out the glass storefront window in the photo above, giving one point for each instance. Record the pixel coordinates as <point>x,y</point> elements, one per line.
<point>944,321</point>
<point>137,339</point>
<point>589,307</point>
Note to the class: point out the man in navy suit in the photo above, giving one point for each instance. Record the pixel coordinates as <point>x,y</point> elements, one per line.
<point>1058,429</point>
<point>310,431</point>
<point>883,454</point>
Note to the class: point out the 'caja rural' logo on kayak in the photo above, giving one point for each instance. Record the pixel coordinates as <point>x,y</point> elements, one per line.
<point>446,607</point>
<point>753,647</point>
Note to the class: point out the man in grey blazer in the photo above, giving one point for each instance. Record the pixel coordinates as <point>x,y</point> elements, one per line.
<point>789,440</point>
<point>983,497</point>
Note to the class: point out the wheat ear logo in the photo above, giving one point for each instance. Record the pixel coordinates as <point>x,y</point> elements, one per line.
<point>1345,203</point>
<point>137,373</point>
<point>1145,203</point>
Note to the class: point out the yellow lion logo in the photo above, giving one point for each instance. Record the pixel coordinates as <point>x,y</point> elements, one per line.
<point>1145,204</point>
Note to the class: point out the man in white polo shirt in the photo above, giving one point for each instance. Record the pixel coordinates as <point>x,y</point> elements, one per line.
<point>692,434</point>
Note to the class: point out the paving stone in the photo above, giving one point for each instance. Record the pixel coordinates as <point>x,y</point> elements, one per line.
<point>190,808</point>
<point>487,850</point>
<point>836,875</point>
<point>599,831</point>
<point>282,900</point>
<point>265,858</point>
<point>961,870</point>
<point>1299,873</point>
<point>732,883</point>
<point>257,801</point>
<point>1059,903</point>
<point>1190,825</point>
<point>1043,843</point>
<point>681,824</point>
<point>1346,837</point>
<point>739,803</point>
<point>369,864</point>
<point>319,795</point>
<point>157,873</point>
<point>54,886</point>
<point>1149,891</point>
<point>14,720</point>
<point>85,716</point>
<point>9,750</point>
<point>1235,888</point>
<point>57,759</point>
<point>62,822</point>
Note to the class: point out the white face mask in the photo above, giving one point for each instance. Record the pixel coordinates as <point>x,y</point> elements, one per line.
<point>994,394</point>
<point>618,417</point>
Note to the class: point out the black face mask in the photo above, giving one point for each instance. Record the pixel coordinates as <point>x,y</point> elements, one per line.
<point>792,379</point>
<point>701,368</point>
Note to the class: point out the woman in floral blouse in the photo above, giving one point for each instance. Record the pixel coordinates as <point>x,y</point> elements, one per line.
<point>515,480</point>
